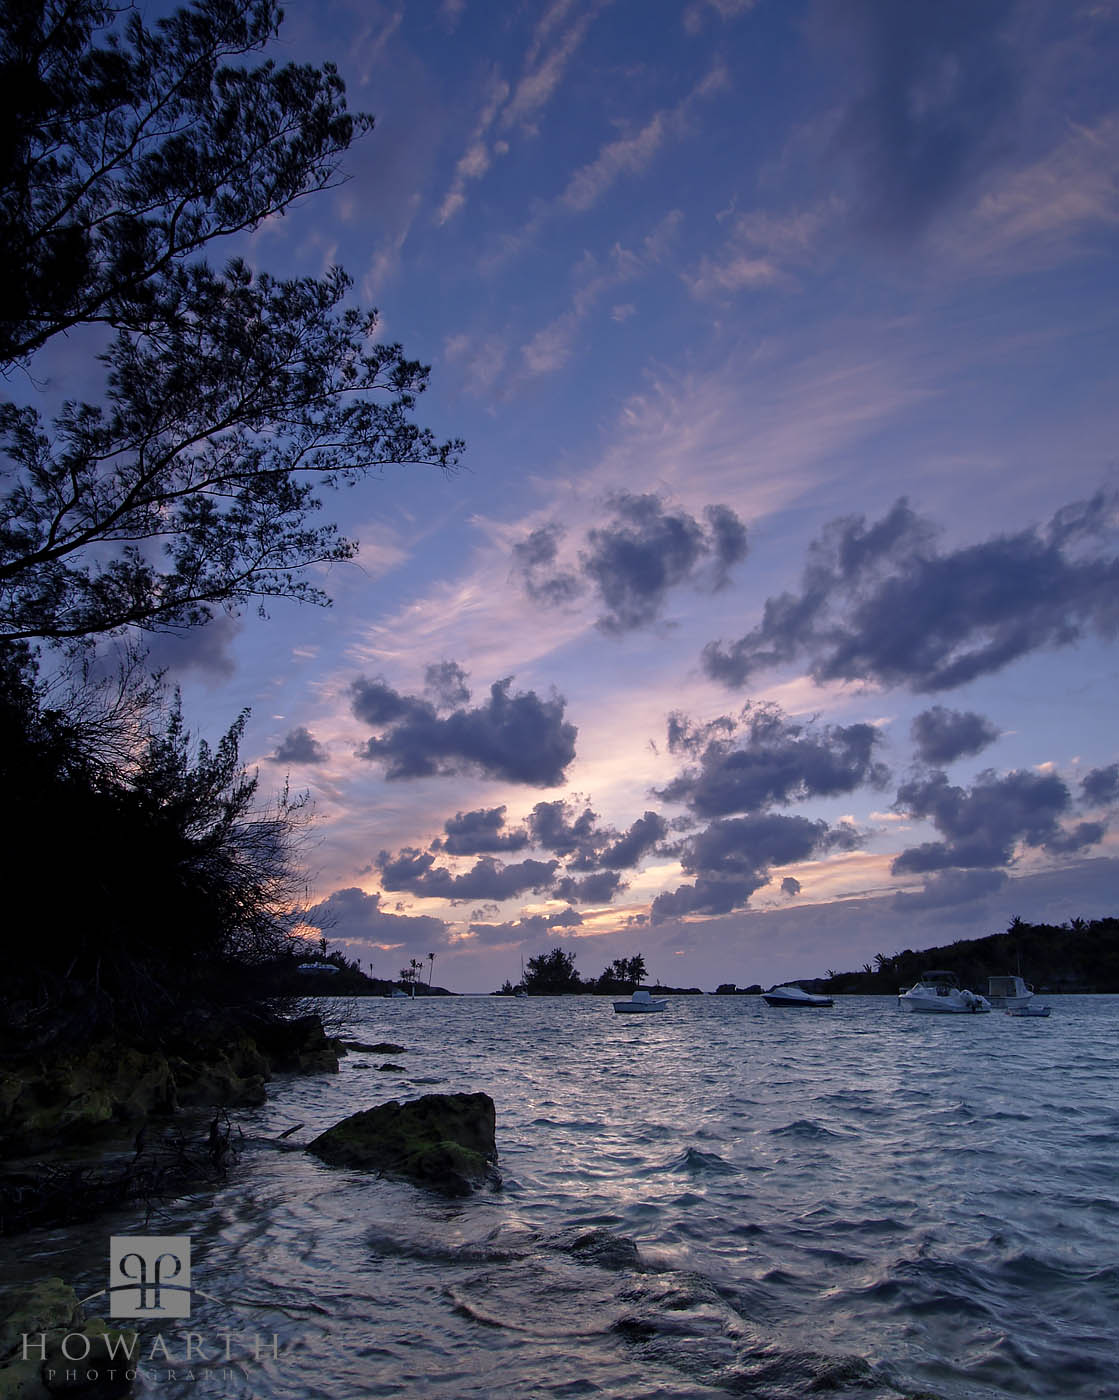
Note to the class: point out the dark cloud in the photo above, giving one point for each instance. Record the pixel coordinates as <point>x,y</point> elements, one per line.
<point>731,859</point>
<point>642,836</point>
<point>686,737</point>
<point>585,868</point>
<point>376,703</point>
<point>351,915</point>
<point>790,885</point>
<point>479,833</point>
<point>445,684</point>
<point>534,559</point>
<point>207,650</point>
<point>1073,840</point>
<point>747,845</point>
<point>300,746</point>
<point>949,887</point>
<point>727,541</point>
<point>488,879</point>
<point>599,888</point>
<point>982,825</point>
<point>1101,785</point>
<point>706,896</point>
<point>527,926</point>
<point>937,90</point>
<point>845,836</point>
<point>561,828</point>
<point>765,757</point>
<point>942,735</point>
<point>518,738</point>
<point>565,830</point>
<point>882,604</point>
<point>633,560</point>
<point>565,918</point>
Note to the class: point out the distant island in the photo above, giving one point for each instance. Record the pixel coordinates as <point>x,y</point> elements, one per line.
<point>1080,955</point>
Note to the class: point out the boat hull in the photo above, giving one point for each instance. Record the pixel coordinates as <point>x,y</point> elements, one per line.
<point>942,1006</point>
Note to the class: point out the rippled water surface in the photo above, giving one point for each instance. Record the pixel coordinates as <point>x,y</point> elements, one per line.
<point>723,1199</point>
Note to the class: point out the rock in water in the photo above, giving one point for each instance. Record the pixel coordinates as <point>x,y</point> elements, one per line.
<point>445,1141</point>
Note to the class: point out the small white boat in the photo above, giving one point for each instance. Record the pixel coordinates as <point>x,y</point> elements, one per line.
<point>397,993</point>
<point>1030,1009</point>
<point>640,1001</point>
<point>1007,992</point>
<point>794,996</point>
<point>519,992</point>
<point>941,992</point>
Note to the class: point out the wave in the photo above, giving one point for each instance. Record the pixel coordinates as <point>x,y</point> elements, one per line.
<point>805,1128</point>
<point>692,1161</point>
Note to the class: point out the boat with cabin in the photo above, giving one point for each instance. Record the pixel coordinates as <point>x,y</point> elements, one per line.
<point>1007,992</point>
<point>940,992</point>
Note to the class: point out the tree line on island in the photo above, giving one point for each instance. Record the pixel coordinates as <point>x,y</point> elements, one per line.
<point>1080,955</point>
<point>554,974</point>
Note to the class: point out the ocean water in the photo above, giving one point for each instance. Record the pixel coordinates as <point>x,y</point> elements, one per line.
<point>724,1199</point>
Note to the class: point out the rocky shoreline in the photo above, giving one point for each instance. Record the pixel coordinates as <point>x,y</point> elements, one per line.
<point>118,1123</point>
<point>114,1122</point>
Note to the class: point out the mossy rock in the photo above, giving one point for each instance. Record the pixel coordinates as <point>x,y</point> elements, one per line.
<point>444,1141</point>
<point>216,1082</point>
<point>107,1358</point>
<point>22,1380</point>
<point>35,1307</point>
<point>83,1096</point>
<point>298,1046</point>
<point>49,1312</point>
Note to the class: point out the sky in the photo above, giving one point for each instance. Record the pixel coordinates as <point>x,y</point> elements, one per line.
<point>771,622</point>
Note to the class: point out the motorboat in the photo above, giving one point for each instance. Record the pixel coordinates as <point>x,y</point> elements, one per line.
<point>1007,992</point>
<point>941,992</point>
<point>397,994</point>
<point>640,1001</point>
<point>1031,1008</point>
<point>794,996</point>
<point>520,992</point>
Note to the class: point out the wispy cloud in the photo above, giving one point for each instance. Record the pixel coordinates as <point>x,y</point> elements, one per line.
<point>553,345</point>
<point>764,248</point>
<point>1037,215</point>
<point>544,74</point>
<point>480,359</point>
<point>478,156</point>
<point>630,155</point>
<point>549,53</point>
<point>385,262</point>
<point>696,14</point>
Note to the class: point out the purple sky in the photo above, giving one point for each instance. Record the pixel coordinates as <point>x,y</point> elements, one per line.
<point>772,624</point>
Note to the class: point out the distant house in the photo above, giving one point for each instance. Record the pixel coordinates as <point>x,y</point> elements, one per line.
<point>318,967</point>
